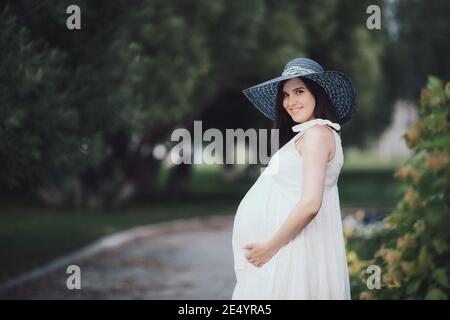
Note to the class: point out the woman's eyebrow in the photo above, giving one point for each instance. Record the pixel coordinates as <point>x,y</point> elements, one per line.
<point>295,89</point>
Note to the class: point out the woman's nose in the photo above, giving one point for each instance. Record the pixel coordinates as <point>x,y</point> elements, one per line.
<point>290,102</point>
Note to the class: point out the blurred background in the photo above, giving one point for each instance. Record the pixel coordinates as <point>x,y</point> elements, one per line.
<point>86,115</point>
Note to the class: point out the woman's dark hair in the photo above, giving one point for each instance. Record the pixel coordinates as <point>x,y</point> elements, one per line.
<point>323,109</point>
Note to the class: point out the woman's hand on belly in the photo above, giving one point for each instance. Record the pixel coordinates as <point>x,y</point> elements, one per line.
<point>259,253</point>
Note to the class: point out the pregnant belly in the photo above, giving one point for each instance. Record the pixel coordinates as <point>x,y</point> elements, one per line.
<point>251,216</point>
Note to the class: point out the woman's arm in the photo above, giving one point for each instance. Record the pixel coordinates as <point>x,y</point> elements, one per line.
<point>315,153</point>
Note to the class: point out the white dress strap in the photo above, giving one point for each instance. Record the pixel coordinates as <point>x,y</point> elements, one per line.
<point>303,126</point>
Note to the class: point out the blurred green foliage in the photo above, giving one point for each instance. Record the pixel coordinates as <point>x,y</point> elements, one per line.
<point>81,110</point>
<point>413,251</point>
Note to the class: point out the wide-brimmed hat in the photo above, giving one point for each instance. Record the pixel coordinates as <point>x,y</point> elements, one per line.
<point>337,86</point>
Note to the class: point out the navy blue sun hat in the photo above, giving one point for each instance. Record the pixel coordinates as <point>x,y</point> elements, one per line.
<point>337,86</point>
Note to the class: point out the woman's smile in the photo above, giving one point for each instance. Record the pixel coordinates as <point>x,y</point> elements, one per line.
<point>298,101</point>
<point>295,110</point>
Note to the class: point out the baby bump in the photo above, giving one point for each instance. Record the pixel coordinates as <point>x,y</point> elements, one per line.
<point>262,211</point>
<point>250,216</point>
<point>250,222</point>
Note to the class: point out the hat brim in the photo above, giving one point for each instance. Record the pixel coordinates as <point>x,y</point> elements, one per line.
<point>337,86</point>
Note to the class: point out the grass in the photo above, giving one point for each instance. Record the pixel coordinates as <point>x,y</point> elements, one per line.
<point>368,159</point>
<point>364,187</point>
<point>368,188</point>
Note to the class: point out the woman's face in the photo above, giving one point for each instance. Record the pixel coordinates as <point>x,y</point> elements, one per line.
<point>298,101</point>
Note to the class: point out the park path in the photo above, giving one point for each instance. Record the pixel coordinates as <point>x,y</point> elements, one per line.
<point>185,259</point>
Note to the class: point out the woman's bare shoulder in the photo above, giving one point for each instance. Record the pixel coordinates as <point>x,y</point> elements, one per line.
<point>316,135</point>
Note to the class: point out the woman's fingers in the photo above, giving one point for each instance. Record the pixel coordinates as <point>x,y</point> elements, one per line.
<point>254,261</point>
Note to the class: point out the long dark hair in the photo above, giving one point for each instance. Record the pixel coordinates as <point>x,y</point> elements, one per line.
<point>323,109</point>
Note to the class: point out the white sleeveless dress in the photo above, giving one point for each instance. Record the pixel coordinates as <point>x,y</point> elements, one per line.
<point>313,265</point>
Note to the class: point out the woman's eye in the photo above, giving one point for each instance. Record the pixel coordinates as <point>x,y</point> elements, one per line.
<point>299,91</point>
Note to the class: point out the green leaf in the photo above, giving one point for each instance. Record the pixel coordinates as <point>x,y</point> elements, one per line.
<point>435,294</point>
<point>424,257</point>
<point>413,287</point>
<point>434,83</point>
<point>440,275</point>
<point>436,90</point>
<point>447,90</point>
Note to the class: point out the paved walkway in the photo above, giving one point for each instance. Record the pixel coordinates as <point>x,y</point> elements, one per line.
<point>184,259</point>
<point>189,259</point>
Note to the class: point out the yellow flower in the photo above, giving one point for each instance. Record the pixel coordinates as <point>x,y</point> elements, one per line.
<point>397,276</point>
<point>406,266</point>
<point>437,160</point>
<point>359,215</point>
<point>355,265</point>
<point>348,231</point>
<point>382,250</point>
<point>403,172</point>
<point>365,295</point>
<point>415,174</point>
<point>406,241</point>
<point>391,255</point>
<point>392,278</point>
<point>393,284</point>
<point>400,243</point>
<point>412,198</point>
<point>413,134</point>
<point>440,246</point>
<point>351,256</point>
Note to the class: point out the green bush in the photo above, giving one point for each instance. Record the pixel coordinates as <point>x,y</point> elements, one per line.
<point>414,253</point>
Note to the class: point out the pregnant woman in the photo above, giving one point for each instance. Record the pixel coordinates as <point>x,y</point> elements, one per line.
<point>287,236</point>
